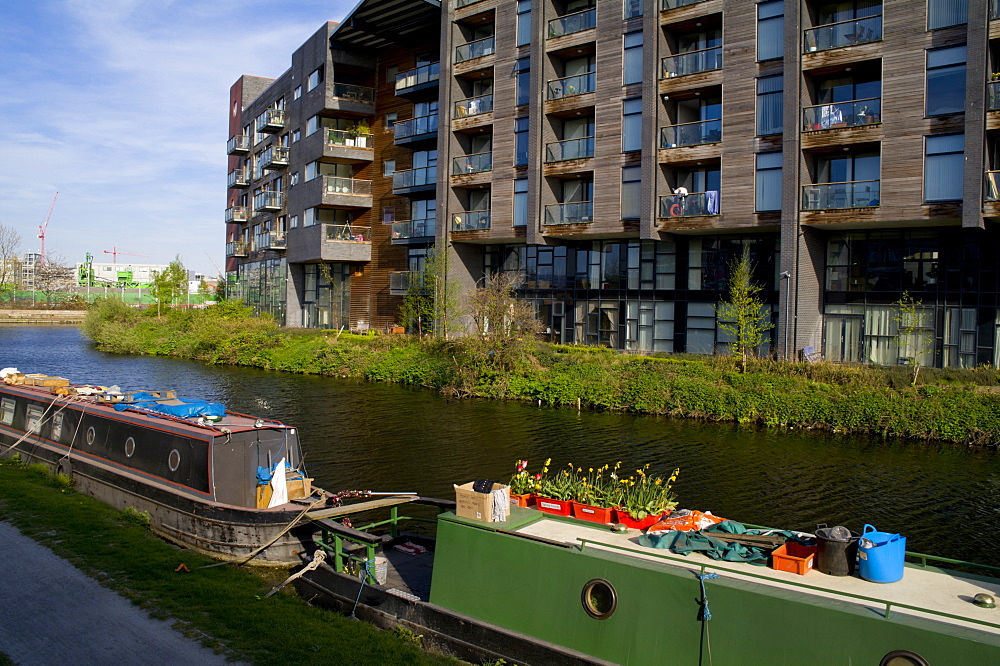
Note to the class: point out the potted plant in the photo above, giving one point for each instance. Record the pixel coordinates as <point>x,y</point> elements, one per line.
<point>362,130</point>
<point>593,500</point>
<point>644,499</point>
<point>555,494</point>
<point>522,485</point>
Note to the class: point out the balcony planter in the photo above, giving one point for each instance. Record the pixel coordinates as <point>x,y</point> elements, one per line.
<point>554,506</point>
<point>593,514</point>
<point>622,516</point>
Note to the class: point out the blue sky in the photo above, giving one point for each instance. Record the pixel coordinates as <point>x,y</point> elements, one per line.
<point>120,105</point>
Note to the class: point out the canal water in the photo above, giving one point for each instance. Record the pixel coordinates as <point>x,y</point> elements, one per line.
<point>945,499</point>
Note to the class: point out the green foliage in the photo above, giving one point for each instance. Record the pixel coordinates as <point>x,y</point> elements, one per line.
<point>407,635</point>
<point>135,517</point>
<point>169,283</point>
<point>743,315</point>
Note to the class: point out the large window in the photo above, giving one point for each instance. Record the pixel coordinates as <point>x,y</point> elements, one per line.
<point>631,192</point>
<point>521,202</point>
<point>768,182</point>
<point>943,13</point>
<point>632,124</point>
<point>946,80</point>
<point>944,162</point>
<point>521,141</point>
<point>523,22</point>
<point>632,8</point>
<point>523,69</point>
<point>769,104</point>
<point>632,58</point>
<point>315,79</point>
<point>770,29</point>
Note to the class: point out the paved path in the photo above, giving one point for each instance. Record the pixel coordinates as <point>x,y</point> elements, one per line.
<point>54,614</point>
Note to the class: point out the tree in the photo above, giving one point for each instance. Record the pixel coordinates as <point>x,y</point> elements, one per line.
<point>914,335</point>
<point>430,303</point>
<point>10,262</point>
<point>505,325</point>
<point>54,278</point>
<point>169,283</point>
<point>743,316</point>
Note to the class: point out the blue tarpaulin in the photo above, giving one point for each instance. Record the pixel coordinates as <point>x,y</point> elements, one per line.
<point>182,409</point>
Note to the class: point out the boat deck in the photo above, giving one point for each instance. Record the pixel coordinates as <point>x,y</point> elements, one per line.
<point>936,593</point>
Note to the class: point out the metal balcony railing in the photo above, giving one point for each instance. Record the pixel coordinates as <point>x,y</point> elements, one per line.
<point>843,33</point>
<point>470,220</point>
<point>576,212</point>
<point>351,186</point>
<point>413,229</point>
<point>239,178</point>
<point>340,233</point>
<point>571,85</point>
<point>335,137</point>
<point>674,4</point>
<point>473,106</point>
<point>851,194</point>
<point>273,241</point>
<point>238,144</point>
<point>993,94</point>
<point>237,214</point>
<point>691,62</point>
<point>418,76</point>
<point>271,120</point>
<point>352,92</point>
<point>571,149</point>
<point>268,200</point>
<point>415,126</point>
<point>576,22</point>
<point>414,177</point>
<point>472,50</point>
<point>275,157</point>
<point>694,203</point>
<point>842,114</point>
<point>991,191</point>
<point>238,249</point>
<point>691,134</point>
<point>476,163</point>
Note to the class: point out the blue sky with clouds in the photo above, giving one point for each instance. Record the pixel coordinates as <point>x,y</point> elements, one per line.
<point>120,106</point>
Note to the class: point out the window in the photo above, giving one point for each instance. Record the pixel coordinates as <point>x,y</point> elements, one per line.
<point>632,58</point>
<point>521,202</point>
<point>57,423</point>
<point>768,182</point>
<point>944,162</point>
<point>7,411</point>
<point>34,424</point>
<point>312,125</point>
<point>312,170</point>
<point>521,141</point>
<point>769,99</point>
<point>390,74</point>
<point>293,221</point>
<point>632,124</point>
<point>388,214</point>
<point>946,81</point>
<point>390,120</point>
<point>296,136</point>
<point>633,8</point>
<point>770,29</point>
<point>523,22</point>
<point>297,92</point>
<point>943,13</point>
<point>293,180</point>
<point>388,167</point>
<point>315,79</point>
<point>523,69</point>
<point>631,192</point>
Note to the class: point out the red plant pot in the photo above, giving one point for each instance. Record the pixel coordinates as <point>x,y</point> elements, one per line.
<point>553,506</point>
<point>627,520</point>
<point>524,500</point>
<point>594,514</point>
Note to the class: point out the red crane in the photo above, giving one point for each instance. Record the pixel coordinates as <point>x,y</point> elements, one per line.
<point>114,254</point>
<point>41,230</point>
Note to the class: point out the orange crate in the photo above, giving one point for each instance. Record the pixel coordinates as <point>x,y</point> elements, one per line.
<point>793,557</point>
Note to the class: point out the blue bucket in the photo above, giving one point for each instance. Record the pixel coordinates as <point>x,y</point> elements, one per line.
<point>881,556</point>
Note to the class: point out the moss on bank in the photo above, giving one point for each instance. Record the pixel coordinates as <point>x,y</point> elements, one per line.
<point>953,405</point>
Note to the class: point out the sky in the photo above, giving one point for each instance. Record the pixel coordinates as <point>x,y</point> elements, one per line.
<point>120,106</point>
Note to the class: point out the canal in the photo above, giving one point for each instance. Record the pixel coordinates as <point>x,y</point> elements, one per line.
<point>944,498</point>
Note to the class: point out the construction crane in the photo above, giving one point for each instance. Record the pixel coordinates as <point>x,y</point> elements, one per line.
<point>41,230</point>
<point>114,254</point>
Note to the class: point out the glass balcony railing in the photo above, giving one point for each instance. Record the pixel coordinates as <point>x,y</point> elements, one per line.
<point>470,220</point>
<point>473,50</point>
<point>273,241</point>
<point>691,134</point>
<point>572,85</point>
<point>238,145</point>
<point>473,106</point>
<point>842,114</point>
<point>413,229</point>
<point>340,233</point>
<point>274,157</point>
<point>993,94</point>
<point>571,149</point>
<point>691,62</point>
<point>237,214</point>
<point>465,3</point>
<point>576,212</point>
<point>476,163</point>
<point>268,200</point>
<point>239,178</point>
<point>674,4</point>
<point>349,186</point>
<point>335,137</point>
<point>418,76</point>
<point>414,177</point>
<point>400,282</point>
<point>843,33</point>
<point>576,22</point>
<point>852,194</point>
<point>695,203</point>
<point>353,93</point>
<point>238,249</point>
<point>271,120</point>
<point>404,129</point>
<point>992,186</point>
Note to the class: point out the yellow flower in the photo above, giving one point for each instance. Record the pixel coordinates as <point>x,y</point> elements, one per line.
<point>591,469</point>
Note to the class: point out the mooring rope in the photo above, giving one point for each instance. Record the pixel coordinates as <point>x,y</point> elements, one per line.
<point>318,557</point>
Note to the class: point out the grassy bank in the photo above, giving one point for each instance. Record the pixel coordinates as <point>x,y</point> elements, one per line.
<point>949,404</point>
<point>224,607</point>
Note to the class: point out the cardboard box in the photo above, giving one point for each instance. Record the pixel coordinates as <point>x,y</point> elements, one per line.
<point>477,506</point>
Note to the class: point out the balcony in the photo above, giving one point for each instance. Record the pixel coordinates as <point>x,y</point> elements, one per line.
<point>473,106</point>
<point>992,186</point>
<point>571,85</point>
<point>274,242</point>
<point>691,134</point>
<point>346,139</point>
<point>239,178</point>
<point>576,212</point>
<point>419,78</point>
<point>329,242</point>
<point>843,33</point>
<point>346,233</point>
<point>347,186</point>
<point>353,93</point>
<point>695,203</point>
<point>422,179</point>
<point>691,62</point>
<point>267,201</point>
<point>674,4</point>
<point>465,3</point>
<point>571,149</point>
<point>831,196</point>
<point>238,249</point>
<point>842,114</point>
<point>470,220</point>
<point>402,231</point>
<point>272,120</point>
<point>571,23</point>
<point>275,157</point>
<point>237,214</point>
<point>473,50</point>
<point>476,163</point>
<point>238,145</point>
<point>415,129</point>
<point>993,94</point>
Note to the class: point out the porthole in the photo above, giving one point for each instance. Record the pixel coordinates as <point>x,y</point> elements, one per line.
<point>903,658</point>
<point>130,446</point>
<point>91,435</point>
<point>599,599</point>
<point>174,460</point>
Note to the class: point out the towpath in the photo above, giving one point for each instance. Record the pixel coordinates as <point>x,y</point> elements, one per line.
<point>54,614</point>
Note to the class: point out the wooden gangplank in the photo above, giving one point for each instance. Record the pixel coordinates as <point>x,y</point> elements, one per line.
<point>346,509</point>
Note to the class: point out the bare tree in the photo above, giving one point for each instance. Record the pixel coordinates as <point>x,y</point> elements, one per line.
<point>10,262</point>
<point>506,325</point>
<point>54,279</point>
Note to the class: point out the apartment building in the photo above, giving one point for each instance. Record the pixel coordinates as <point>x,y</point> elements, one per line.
<point>620,154</point>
